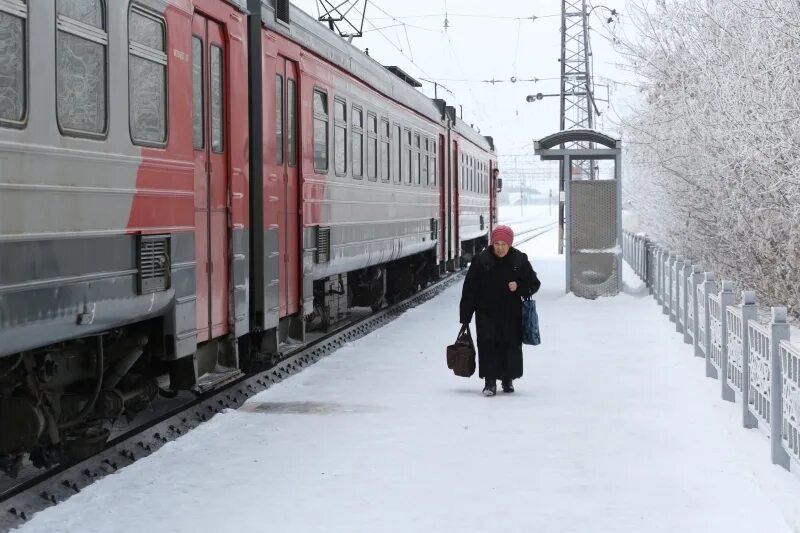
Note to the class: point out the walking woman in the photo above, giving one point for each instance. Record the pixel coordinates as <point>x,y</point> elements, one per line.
<point>497,281</point>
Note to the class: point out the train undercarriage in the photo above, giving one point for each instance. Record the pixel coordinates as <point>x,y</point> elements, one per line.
<point>58,404</point>
<point>373,287</point>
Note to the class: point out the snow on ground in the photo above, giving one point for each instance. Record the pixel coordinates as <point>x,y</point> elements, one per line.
<point>613,428</point>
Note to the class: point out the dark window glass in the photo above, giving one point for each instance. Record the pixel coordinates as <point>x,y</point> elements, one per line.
<point>398,151</point>
<point>147,77</point>
<point>198,108</point>
<point>408,157</point>
<point>81,77</point>
<point>291,127</point>
<point>340,137</point>
<point>86,11</point>
<point>279,119</point>
<point>13,65</point>
<point>339,110</point>
<point>415,170</point>
<point>372,158</point>
<point>358,143</point>
<point>372,147</point>
<point>320,131</point>
<point>217,100</point>
<point>386,164</point>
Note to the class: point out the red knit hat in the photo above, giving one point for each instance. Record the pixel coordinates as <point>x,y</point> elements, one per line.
<point>503,233</point>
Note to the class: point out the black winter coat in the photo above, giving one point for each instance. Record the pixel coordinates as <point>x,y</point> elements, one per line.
<point>498,311</point>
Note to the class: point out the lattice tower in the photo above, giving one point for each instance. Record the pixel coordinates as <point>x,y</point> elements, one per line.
<point>576,78</point>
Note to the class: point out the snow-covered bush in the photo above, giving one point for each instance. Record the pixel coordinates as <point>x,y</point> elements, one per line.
<point>713,158</point>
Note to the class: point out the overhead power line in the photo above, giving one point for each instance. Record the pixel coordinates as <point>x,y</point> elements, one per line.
<point>466,15</point>
<point>495,81</point>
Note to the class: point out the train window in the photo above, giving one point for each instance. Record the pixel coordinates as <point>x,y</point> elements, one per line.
<point>147,77</point>
<point>13,63</point>
<point>320,130</point>
<point>472,174</point>
<point>425,160</point>
<point>408,157</point>
<point>415,170</point>
<point>372,147</point>
<point>463,168</point>
<point>397,139</point>
<point>81,77</point>
<point>291,129</point>
<point>466,172</point>
<point>279,149</point>
<point>198,107</point>
<point>434,168</point>
<point>358,142</point>
<point>386,164</point>
<point>340,137</point>
<point>217,99</point>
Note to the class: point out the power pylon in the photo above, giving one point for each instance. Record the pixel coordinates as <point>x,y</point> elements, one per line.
<point>577,101</point>
<point>576,77</point>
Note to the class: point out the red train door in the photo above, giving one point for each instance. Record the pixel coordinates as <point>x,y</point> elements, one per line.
<point>443,227</point>
<point>288,206</point>
<point>492,197</point>
<point>209,91</point>
<point>456,200</point>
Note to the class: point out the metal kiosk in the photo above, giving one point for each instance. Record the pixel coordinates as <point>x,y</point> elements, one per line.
<point>592,212</point>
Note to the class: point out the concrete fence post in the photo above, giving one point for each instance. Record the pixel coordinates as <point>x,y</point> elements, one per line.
<point>709,286</point>
<point>679,318</point>
<point>726,298</point>
<point>669,261</point>
<point>695,280</point>
<point>643,256</point>
<point>778,331</point>
<point>749,312</point>
<point>687,275</point>
<point>659,274</point>
<point>655,254</point>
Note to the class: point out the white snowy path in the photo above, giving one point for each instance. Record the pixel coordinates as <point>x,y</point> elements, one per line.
<point>613,428</point>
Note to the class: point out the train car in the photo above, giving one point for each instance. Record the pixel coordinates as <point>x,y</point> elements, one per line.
<point>187,187</point>
<point>475,159</point>
<point>355,216</point>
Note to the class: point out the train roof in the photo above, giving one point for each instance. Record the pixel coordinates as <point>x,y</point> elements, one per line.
<point>309,33</point>
<point>469,133</point>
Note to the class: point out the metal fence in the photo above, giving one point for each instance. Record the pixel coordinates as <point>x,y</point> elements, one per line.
<point>756,364</point>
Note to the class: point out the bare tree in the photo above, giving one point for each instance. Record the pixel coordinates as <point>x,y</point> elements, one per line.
<point>713,159</point>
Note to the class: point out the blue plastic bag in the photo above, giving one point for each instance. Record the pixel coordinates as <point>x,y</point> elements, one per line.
<point>530,323</point>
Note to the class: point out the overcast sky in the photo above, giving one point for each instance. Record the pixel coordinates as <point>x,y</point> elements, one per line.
<point>491,39</point>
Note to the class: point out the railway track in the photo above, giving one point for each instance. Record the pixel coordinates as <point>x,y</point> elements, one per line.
<point>21,500</point>
<point>531,233</point>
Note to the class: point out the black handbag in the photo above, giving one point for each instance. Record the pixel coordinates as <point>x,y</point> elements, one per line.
<point>461,355</point>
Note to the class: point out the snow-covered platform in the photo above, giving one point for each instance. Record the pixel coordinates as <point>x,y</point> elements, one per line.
<point>613,428</point>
